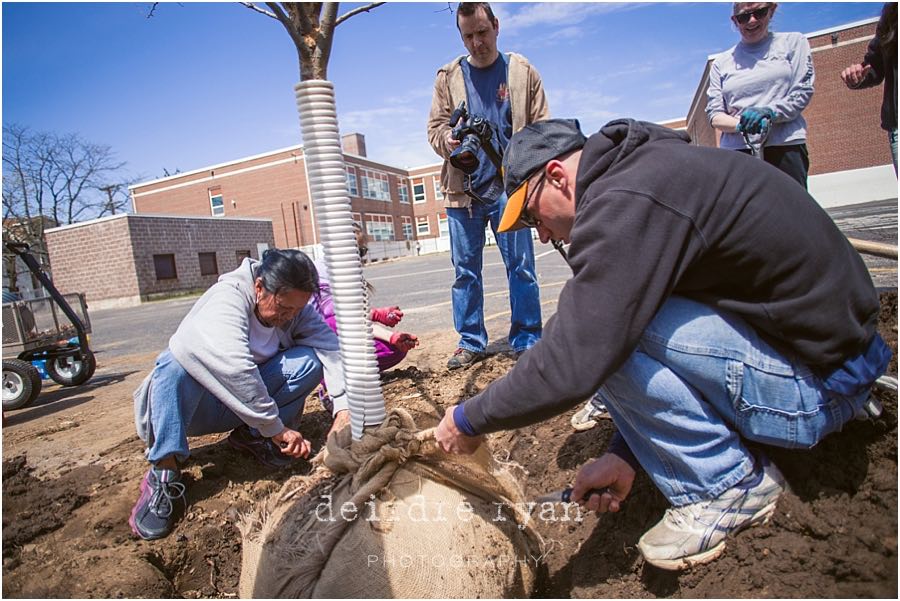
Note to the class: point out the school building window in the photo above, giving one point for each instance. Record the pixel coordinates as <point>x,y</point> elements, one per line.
<point>164,265</point>
<point>380,227</point>
<point>403,191</point>
<point>422,227</point>
<point>216,205</point>
<point>419,191</point>
<point>352,188</point>
<point>438,195</point>
<point>407,228</point>
<point>375,185</point>
<point>240,255</point>
<point>208,264</point>
<point>443,226</point>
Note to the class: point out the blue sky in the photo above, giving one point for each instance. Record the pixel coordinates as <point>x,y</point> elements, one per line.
<point>204,83</point>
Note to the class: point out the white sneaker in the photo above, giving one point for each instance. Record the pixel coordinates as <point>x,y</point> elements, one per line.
<point>871,410</point>
<point>588,416</point>
<point>696,533</point>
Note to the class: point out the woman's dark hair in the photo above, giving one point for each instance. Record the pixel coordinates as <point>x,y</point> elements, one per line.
<point>467,9</point>
<point>287,269</point>
<point>887,29</point>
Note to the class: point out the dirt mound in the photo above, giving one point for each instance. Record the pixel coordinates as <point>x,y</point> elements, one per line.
<point>834,535</point>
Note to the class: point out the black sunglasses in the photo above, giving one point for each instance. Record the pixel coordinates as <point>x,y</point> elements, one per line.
<point>526,217</point>
<point>758,14</point>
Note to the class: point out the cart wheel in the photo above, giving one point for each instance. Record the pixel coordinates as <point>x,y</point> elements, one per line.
<point>21,383</point>
<point>69,371</point>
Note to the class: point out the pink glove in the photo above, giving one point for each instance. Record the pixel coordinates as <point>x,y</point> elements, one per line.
<point>389,316</point>
<point>404,341</point>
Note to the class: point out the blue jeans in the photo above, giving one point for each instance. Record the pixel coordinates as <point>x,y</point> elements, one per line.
<point>181,407</point>
<point>700,382</point>
<point>467,240</point>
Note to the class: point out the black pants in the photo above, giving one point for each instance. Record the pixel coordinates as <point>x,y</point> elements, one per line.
<point>792,159</point>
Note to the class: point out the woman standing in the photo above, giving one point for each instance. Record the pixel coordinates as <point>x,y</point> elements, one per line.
<point>880,65</point>
<point>761,86</point>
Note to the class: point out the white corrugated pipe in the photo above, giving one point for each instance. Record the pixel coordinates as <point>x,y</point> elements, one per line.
<point>328,186</point>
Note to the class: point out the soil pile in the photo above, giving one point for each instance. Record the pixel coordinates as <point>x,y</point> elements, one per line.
<point>834,535</point>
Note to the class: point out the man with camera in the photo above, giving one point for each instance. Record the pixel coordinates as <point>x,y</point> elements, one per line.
<point>479,101</point>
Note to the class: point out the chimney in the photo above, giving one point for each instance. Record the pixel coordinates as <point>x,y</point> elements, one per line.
<point>354,144</point>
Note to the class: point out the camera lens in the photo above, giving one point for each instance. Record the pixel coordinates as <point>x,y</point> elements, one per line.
<point>465,158</point>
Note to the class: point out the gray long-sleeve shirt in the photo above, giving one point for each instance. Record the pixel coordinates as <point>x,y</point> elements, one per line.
<point>213,345</point>
<point>776,73</point>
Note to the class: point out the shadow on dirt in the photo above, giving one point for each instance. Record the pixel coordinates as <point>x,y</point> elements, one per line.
<point>61,398</point>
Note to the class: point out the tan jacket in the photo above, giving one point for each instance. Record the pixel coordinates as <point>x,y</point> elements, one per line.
<point>526,98</point>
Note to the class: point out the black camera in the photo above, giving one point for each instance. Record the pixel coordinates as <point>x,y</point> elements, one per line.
<point>473,134</point>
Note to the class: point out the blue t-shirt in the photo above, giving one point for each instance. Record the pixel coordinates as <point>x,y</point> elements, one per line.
<point>487,96</point>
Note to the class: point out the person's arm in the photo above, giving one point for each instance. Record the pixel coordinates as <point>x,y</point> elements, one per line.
<point>213,345</point>
<point>627,254</point>
<point>439,117</point>
<point>309,329</point>
<point>715,102</point>
<point>868,73</point>
<point>803,79</point>
<point>538,105</point>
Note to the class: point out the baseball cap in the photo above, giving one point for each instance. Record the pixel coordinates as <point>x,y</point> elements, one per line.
<point>530,149</point>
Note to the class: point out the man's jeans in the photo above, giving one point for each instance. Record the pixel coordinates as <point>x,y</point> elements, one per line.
<point>699,383</point>
<point>467,240</point>
<point>181,407</point>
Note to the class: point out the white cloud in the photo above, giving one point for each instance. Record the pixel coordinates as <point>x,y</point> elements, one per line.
<point>552,14</point>
<point>591,108</point>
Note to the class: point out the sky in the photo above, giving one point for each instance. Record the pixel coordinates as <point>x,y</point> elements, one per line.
<point>199,84</point>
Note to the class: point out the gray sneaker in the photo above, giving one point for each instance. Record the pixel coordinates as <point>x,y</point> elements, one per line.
<point>160,504</point>
<point>463,358</point>
<point>589,416</point>
<point>696,533</point>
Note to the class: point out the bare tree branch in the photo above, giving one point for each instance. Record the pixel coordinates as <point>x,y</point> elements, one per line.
<point>311,27</point>
<point>356,11</point>
<point>252,6</point>
<point>152,9</point>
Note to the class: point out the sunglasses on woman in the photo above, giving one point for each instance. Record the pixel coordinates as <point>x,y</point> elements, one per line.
<point>757,14</point>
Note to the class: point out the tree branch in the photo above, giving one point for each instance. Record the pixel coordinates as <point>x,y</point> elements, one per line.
<point>356,11</point>
<point>252,6</point>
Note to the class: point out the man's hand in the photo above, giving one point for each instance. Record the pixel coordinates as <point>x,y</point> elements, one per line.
<point>403,341</point>
<point>609,472</point>
<point>855,74</point>
<point>451,440</point>
<point>389,316</point>
<point>452,142</point>
<point>292,443</point>
<point>341,421</point>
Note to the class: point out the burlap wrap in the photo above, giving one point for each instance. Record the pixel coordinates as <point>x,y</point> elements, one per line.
<point>391,516</point>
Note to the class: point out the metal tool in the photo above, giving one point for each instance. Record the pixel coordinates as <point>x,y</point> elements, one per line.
<point>756,146</point>
<point>565,495</point>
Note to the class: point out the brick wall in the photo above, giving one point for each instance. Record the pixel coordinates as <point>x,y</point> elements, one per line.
<point>844,125</point>
<point>433,208</point>
<point>270,187</point>
<point>186,238</point>
<point>112,259</point>
<point>95,258</point>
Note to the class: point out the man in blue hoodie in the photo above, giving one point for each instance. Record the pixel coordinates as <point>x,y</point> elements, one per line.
<point>712,303</point>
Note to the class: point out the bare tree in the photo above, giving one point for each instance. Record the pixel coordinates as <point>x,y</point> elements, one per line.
<point>311,27</point>
<point>51,180</point>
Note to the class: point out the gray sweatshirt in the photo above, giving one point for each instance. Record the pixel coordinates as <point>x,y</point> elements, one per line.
<point>776,73</point>
<point>213,345</point>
